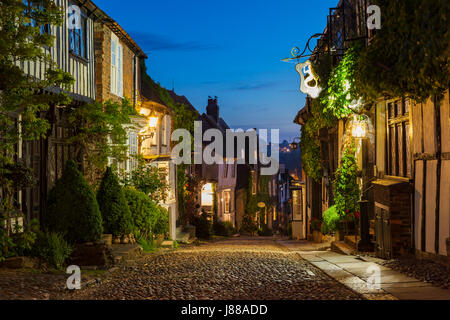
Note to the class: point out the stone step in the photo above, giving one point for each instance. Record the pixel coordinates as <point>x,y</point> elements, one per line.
<point>167,244</point>
<point>125,252</point>
<point>351,240</point>
<point>342,248</point>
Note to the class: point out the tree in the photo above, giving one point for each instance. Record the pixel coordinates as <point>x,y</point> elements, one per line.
<point>23,98</point>
<point>72,208</point>
<point>149,179</point>
<point>99,134</point>
<point>113,205</point>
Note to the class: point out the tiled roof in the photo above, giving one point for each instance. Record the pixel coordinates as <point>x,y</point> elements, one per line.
<point>183,100</point>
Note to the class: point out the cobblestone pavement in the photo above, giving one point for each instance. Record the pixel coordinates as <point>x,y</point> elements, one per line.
<point>30,285</point>
<point>227,269</point>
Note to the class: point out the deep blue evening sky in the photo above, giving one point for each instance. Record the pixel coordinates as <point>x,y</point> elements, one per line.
<point>230,49</point>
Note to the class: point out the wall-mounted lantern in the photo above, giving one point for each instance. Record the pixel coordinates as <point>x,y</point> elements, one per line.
<point>294,144</point>
<point>148,132</point>
<point>359,126</point>
<point>153,120</point>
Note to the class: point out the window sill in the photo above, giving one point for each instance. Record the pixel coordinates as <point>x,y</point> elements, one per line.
<point>79,58</point>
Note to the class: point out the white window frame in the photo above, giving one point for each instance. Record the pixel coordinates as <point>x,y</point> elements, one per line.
<point>116,66</point>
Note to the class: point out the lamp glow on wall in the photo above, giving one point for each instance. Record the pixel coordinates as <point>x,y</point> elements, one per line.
<point>153,120</point>
<point>359,126</point>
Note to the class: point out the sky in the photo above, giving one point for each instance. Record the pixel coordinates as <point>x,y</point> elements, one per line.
<point>230,49</point>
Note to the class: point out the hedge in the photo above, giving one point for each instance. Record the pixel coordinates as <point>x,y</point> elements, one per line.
<point>116,214</point>
<point>72,209</point>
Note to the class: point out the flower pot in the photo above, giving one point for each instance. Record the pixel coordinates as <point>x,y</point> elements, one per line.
<point>116,240</point>
<point>107,239</point>
<point>339,235</point>
<point>125,240</point>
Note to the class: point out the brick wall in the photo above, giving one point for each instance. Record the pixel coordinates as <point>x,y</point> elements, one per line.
<point>102,43</point>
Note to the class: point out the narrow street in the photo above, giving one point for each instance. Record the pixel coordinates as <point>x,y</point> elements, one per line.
<point>236,268</point>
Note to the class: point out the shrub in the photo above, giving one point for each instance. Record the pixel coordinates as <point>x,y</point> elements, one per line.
<point>330,220</point>
<point>25,239</point>
<point>316,224</point>
<point>248,223</point>
<point>52,248</point>
<point>147,244</point>
<point>346,188</point>
<point>113,206</point>
<point>202,226</point>
<point>162,221</point>
<point>265,231</point>
<point>144,212</point>
<point>72,209</point>
<point>223,228</point>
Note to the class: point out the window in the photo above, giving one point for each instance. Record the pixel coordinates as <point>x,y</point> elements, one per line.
<point>207,195</point>
<point>226,201</point>
<point>77,38</point>
<point>133,150</point>
<point>116,66</point>
<point>31,22</point>
<point>398,158</point>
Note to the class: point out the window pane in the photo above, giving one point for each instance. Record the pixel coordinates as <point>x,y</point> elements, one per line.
<point>407,150</point>
<point>71,40</point>
<point>401,158</point>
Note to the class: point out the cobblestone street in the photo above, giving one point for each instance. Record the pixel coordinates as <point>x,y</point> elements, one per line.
<point>227,269</point>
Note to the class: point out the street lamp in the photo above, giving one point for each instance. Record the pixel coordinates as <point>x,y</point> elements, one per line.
<point>359,130</point>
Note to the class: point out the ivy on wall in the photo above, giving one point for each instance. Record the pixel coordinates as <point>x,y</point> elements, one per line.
<point>346,188</point>
<point>310,151</point>
<point>409,55</point>
<point>341,91</point>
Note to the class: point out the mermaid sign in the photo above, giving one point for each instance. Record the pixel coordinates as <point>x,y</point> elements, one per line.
<point>309,79</point>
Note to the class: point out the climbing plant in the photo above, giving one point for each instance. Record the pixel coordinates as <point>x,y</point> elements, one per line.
<point>346,188</point>
<point>409,55</point>
<point>92,125</point>
<point>341,93</point>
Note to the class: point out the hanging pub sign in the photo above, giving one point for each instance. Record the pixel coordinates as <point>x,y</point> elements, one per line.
<point>309,79</point>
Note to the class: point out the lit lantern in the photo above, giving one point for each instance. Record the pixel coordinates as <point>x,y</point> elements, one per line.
<point>153,120</point>
<point>359,127</point>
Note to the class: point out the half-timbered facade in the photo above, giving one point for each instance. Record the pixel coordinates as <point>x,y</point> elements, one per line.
<point>403,160</point>
<point>73,52</point>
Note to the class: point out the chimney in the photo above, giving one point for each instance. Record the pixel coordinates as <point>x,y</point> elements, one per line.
<point>212,109</point>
